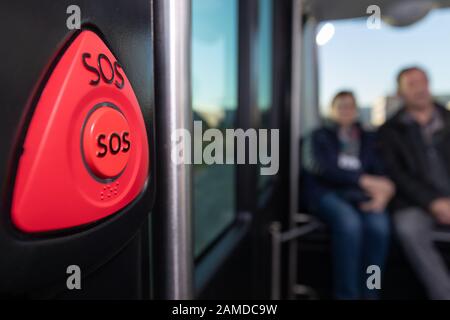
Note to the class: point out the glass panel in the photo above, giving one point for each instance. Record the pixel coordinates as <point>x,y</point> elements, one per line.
<point>214,80</point>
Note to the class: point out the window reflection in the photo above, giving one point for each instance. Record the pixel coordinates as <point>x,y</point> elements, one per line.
<point>214,81</point>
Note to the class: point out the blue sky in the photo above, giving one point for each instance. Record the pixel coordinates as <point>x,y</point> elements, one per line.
<point>367,61</point>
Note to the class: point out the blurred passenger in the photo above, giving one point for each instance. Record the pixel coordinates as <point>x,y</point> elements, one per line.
<point>347,189</point>
<point>416,149</point>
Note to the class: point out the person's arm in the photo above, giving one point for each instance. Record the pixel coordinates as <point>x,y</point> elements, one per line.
<point>416,191</point>
<point>317,155</point>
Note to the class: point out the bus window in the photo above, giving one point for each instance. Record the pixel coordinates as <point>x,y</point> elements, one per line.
<point>214,81</point>
<point>368,60</point>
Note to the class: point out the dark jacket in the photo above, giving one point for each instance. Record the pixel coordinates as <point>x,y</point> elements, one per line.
<point>321,173</point>
<point>404,154</point>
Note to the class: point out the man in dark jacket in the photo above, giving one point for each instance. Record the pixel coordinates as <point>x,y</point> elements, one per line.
<point>416,149</point>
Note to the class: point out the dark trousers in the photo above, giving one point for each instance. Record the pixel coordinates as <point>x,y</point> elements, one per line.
<point>359,240</point>
<point>417,231</point>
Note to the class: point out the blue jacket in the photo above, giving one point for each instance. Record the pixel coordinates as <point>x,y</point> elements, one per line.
<point>321,173</point>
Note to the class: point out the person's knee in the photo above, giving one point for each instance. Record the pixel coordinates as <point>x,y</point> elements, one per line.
<point>349,225</point>
<point>342,218</point>
<point>378,225</point>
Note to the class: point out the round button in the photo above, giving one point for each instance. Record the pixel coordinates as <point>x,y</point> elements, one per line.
<point>106,142</point>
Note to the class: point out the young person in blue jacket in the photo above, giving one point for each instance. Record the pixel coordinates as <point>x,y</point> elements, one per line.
<point>347,189</point>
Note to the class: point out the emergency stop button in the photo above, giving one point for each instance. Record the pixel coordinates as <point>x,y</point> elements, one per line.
<point>106,141</point>
<point>85,154</point>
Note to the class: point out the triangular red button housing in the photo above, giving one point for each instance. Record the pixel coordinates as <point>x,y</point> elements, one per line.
<point>86,150</point>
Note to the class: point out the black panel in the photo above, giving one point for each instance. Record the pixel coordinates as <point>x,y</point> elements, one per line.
<point>34,34</point>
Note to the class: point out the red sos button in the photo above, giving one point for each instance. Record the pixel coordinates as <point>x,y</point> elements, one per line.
<point>85,155</point>
<point>106,141</point>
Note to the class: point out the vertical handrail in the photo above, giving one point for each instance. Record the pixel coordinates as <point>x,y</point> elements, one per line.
<point>275,232</point>
<point>295,137</point>
<point>172,219</point>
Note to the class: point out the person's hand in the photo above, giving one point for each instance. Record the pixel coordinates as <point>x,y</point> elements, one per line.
<point>375,205</point>
<point>375,184</point>
<point>380,191</point>
<point>440,208</point>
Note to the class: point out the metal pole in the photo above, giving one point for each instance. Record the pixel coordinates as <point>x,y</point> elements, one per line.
<point>295,137</point>
<point>172,224</point>
<point>275,231</point>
